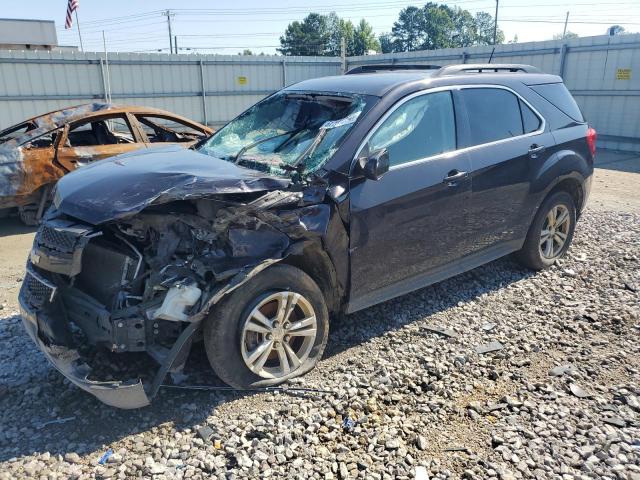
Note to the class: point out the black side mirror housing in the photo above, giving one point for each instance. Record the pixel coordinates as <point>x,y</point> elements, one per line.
<point>373,165</point>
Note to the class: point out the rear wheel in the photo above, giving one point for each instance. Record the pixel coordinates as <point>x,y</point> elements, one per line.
<point>551,232</point>
<point>273,328</point>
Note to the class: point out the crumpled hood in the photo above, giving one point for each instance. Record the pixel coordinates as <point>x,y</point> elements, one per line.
<point>126,184</point>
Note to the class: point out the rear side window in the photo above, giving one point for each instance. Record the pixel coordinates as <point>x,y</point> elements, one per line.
<point>558,95</point>
<point>419,128</point>
<point>494,114</point>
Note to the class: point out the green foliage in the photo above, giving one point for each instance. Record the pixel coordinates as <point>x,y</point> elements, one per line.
<point>559,36</point>
<point>417,28</point>
<point>364,39</point>
<point>439,26</point>
<point>322,35</point>
<point>616,30</point>
<point>309,37</point>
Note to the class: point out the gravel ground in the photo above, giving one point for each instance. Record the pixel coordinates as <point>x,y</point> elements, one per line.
<point>559,399</point>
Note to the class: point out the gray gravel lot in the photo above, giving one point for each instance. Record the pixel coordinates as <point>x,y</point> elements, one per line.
<point>560,399</point>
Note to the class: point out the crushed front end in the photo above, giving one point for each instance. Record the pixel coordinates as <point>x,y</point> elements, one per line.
<point>142,285</point>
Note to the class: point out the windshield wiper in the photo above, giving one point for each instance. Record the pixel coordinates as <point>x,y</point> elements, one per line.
<point>241,152</point>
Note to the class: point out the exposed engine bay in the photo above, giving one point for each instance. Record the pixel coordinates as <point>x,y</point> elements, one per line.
<point>144,283</point>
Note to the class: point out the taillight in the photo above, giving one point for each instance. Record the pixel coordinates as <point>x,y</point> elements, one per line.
<point>591,140</point>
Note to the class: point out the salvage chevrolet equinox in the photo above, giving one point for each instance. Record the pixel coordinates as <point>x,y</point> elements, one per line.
<point>327,197</point>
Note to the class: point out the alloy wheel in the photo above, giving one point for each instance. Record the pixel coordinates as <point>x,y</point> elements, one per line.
<point>555,231</point>
<point>278,335</point>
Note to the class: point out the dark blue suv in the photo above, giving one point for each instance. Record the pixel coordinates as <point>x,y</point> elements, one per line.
<point>327,197</point>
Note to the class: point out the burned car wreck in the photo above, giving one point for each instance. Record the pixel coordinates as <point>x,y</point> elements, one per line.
<point>35,153</point>
<point>136,251</point>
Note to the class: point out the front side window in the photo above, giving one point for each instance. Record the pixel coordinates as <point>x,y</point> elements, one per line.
<point>287,132</point>
<point>494,114</point>
<point>419,128</point>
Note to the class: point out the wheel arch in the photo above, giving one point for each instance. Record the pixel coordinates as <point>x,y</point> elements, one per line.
<point>573,187</point>
<point>315,262</point>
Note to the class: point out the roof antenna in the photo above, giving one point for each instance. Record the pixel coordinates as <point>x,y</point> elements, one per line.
<point>491,56</point>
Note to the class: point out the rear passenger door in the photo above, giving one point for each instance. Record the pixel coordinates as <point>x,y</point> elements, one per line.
<point>508,143</point>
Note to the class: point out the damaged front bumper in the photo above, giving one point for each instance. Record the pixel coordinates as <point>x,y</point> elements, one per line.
<point>67,362</point>
<point>41,327</point>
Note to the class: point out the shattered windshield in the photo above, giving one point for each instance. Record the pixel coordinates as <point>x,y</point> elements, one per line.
<point>289,131</point>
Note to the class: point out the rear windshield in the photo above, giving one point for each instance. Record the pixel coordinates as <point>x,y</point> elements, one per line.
<point>558,95</point>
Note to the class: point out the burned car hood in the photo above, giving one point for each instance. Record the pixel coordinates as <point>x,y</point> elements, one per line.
<point>126,184</point>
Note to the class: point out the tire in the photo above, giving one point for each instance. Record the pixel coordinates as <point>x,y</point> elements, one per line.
<point>28,214</point>
<point>231,340</point>
<point>535,252</point>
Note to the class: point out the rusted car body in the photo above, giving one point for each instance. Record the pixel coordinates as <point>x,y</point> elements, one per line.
<point>38,152</point>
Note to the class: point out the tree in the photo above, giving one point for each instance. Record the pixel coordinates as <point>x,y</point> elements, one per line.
<point>323,35</point>
<point>386,43</point>
<point>439,26</point>
<point>339,29</point>
<point>616,30</point>
<point>246,51</point>
<point>485,24</point>
<point>465,29</point>
<point>309,37</point>
<point>364,39</point>
<point>408,30</point>
<point>559,36</point>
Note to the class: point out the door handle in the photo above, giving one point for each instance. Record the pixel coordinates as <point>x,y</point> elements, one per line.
<point>535,149</point>
<point>453,176</point>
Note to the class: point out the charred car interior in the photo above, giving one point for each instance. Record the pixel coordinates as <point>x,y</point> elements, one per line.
<point>324,198</point>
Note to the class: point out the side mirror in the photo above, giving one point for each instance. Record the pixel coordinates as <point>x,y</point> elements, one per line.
<point>373,165</point>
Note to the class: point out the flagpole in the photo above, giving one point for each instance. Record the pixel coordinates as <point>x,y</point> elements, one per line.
<point>79,34</point>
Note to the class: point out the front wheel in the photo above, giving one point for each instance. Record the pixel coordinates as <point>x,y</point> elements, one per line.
<point>270,329</point>
<point>551,232</point>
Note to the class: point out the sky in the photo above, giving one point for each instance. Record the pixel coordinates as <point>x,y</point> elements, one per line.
<point>226,27</point>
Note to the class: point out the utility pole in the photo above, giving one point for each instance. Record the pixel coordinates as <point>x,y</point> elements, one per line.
<point>175,43</point>
<point>343,54</point>
<point>106,62</point>
<point>168,14</point>
<point>79,34</point>
<point>566,20</point>
<point>495,25</point>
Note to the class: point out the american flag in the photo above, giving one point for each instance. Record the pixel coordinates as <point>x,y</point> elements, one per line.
<point>71,7</point>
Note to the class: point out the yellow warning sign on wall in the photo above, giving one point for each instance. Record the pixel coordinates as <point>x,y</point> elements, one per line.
<point>242,80</point>
<point>623,74</point>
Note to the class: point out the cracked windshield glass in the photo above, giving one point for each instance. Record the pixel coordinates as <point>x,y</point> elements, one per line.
<point>287,132</point>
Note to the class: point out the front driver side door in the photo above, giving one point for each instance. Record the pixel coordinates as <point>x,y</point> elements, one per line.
<point>411,224</point>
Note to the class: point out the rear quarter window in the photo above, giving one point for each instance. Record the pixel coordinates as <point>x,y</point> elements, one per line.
<point>558,95</point>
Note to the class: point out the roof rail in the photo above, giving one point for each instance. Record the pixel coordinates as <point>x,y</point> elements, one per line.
<point>486,68</point>
<point>389,67</point>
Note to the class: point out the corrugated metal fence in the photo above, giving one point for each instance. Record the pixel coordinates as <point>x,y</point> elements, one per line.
<point>211,89</point>
<point>603,74</point>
